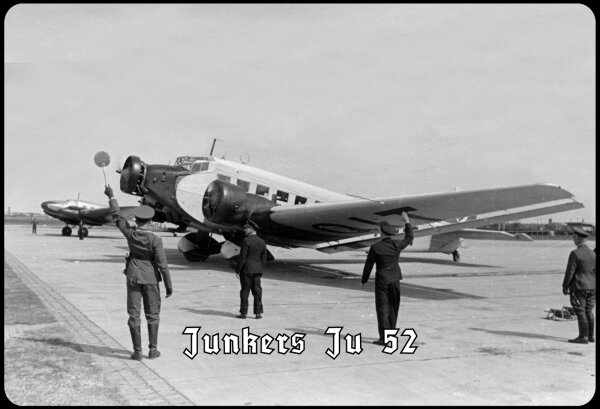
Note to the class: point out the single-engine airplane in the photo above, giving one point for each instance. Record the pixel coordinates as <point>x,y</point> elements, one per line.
<point>215,195</point>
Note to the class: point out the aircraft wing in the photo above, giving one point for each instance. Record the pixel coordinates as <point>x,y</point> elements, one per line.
<point>357,221</point>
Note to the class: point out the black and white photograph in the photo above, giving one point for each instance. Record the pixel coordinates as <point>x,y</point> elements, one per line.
<point>278,204</point>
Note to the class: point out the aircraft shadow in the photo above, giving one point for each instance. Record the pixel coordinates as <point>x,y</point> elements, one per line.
<point>323,261</point>
<point>177,262</point>
<point>350,281</point>
<point>108,259</point>
<point>316,331</point>
<point>93,349</point>
<point>289,270</point>
<point>75,237</point>
<point>321,332</point>
<point>521,334</point>
<point>210,312</point>
<point>441,262</point>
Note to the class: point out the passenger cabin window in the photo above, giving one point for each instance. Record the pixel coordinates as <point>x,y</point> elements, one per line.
<point>262,190</point>
<point>300,200</point>
<point>224,178</point>
<point>244,185</point>
<point>282,196</point>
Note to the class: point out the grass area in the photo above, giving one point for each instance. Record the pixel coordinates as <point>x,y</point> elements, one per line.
<point>42,364</point>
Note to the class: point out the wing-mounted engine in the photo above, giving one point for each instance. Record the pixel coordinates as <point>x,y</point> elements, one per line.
<point>227,204</point>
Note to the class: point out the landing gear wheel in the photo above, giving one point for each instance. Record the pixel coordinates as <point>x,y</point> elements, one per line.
<point>85,231</point>
<point>456,256</point>
<point>66,231</point>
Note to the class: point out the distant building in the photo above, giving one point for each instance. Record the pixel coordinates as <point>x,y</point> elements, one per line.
<point>541,231</point>
<point>586,227</point>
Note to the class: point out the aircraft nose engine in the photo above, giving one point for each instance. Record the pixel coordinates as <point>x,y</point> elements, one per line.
<point>132,176</point>
<point>224,203</point>
<point>52,206</point>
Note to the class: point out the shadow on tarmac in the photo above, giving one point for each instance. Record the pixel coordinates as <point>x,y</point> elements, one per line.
<point>210,312</point>
<point>520,334</point>
<point>108,259</point>
<point>350,281</point>
<point>321,332</point>
<point>361,261</point>
<point>76,237</point>
<point>300,271</point>
<point>93,349</point>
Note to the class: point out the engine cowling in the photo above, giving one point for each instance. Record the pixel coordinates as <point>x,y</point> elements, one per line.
<point>227,204</point>
<point>224,203</point>
<point>132,176</point>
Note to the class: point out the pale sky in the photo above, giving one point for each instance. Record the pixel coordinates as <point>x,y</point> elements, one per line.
<point>371,100</point>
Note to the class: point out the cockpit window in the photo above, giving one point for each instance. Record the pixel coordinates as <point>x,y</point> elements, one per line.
<point>200,167</point>
<point>188,161</point>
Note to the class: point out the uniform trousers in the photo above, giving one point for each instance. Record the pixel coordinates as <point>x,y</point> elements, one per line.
<point>150,294</point>
<point>387,304</point>
<point>583,302</point>
<point>250,282</point>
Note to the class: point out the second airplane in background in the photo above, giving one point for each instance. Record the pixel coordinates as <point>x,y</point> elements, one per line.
<point>79,213</point>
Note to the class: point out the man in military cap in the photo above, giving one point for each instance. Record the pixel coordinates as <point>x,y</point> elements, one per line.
<point>580,284</point>
<point>249,269</point>
<point>385,255</point>
<point>146,266</point>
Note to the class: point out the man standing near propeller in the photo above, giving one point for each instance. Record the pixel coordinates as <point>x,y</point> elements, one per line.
<point>145,268</point>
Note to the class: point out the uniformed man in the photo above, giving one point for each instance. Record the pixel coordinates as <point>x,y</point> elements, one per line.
<point>146,266</point>
<point>580,284</point>
<point>384,254</point>
<point>34,223</point>
<point>249,269</point>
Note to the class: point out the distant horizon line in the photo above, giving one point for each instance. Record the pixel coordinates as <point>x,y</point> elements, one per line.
<point>548,220</point>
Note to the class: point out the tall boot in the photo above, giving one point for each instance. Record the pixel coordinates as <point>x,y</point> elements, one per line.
<point>583,332</point>
<point>153,337</point>
<point>136,339</point>
<point>590,325</point>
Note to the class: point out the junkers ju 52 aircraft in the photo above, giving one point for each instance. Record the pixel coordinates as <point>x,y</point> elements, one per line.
<point>215,195</point>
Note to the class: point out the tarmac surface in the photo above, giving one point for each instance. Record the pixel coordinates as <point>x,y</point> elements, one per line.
<point>482,333</point>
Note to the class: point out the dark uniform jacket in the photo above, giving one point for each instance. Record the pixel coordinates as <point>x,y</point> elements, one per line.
<point>581,269</point>
<point>147,262</point>
<point>384,254</point>
<point>253,255</point>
